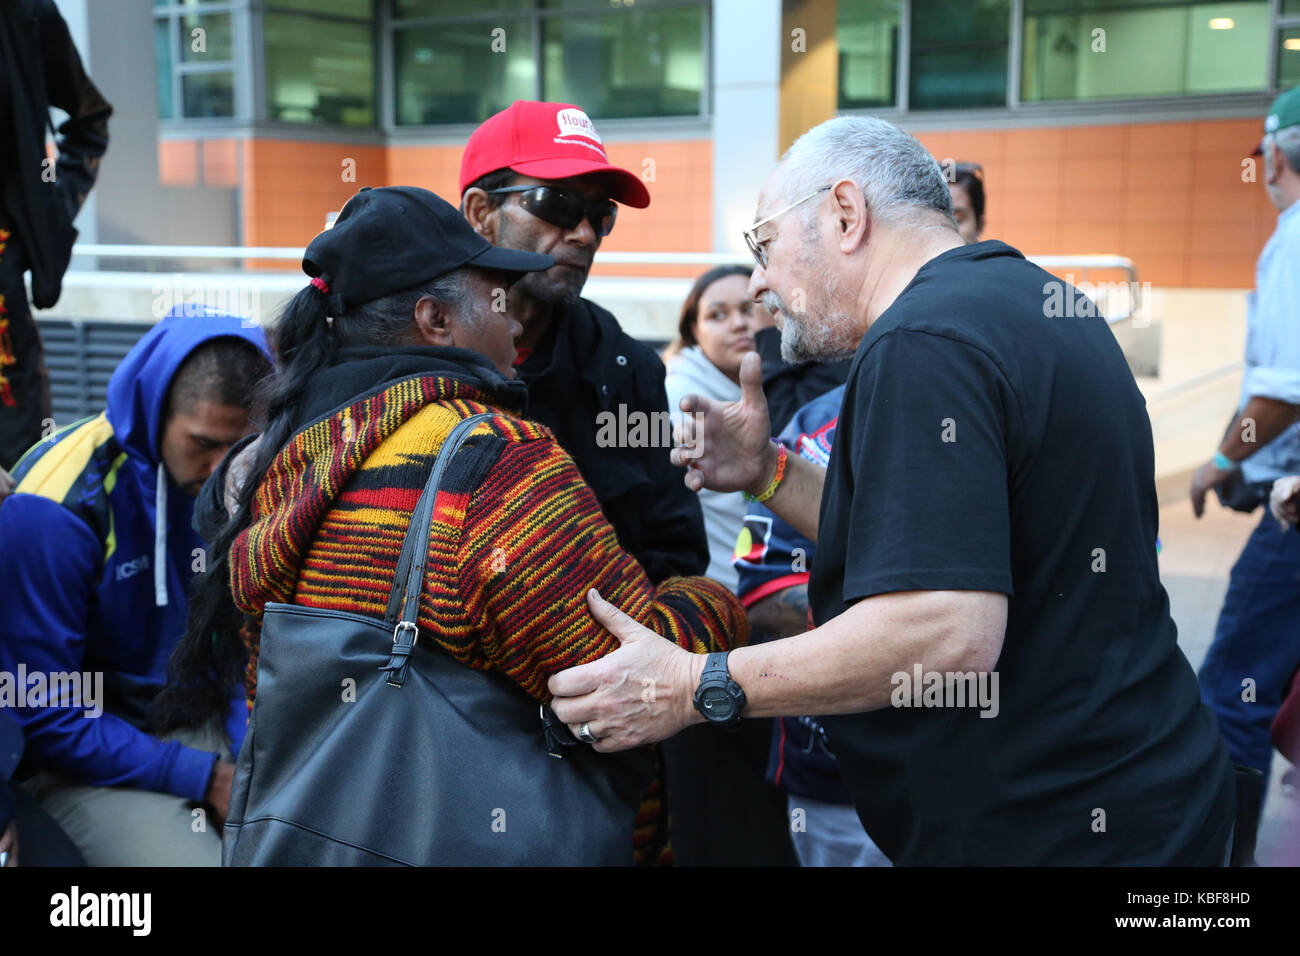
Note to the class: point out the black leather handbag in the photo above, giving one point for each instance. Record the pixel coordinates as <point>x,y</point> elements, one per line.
<point>432,763</point>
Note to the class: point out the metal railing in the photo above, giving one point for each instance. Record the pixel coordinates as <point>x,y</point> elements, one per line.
<point>1085,264</point>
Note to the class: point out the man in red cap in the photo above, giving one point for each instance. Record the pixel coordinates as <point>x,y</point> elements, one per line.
<point>535,177</point>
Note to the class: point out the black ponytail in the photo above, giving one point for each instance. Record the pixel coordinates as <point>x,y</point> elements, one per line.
<point>209,660</point>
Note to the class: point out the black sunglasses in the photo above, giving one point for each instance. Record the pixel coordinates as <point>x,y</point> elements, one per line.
<point>564,208</point>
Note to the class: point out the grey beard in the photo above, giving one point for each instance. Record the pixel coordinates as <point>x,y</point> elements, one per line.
<point>806,340</point>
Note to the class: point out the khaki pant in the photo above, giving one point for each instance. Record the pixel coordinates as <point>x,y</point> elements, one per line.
<point>123,826</point>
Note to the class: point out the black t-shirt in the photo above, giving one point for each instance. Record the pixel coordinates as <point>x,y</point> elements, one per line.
<point>992,438</point>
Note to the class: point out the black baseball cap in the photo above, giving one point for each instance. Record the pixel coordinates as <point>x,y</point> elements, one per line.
<point>395,237</point>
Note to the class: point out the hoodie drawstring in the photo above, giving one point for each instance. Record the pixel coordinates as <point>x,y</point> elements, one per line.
<point>160,540</point>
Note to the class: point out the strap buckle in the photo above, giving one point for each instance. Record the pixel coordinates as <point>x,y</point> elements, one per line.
<point>406,626</point>
<point>399,661</point>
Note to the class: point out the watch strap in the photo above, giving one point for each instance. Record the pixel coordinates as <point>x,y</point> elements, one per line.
<point>715,667</point>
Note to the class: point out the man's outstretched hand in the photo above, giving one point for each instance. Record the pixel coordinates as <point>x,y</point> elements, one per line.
<point>726,446</point>
<point>639,694</point>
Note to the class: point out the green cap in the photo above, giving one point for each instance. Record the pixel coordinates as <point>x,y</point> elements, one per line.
<point>1284,112</point>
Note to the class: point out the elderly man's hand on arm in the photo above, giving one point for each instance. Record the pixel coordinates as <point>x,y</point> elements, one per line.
<point>845,666</point>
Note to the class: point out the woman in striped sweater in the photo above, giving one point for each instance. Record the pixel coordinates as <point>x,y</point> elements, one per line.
<point>380,357</point>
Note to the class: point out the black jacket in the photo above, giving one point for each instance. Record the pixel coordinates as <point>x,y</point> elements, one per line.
<point>40,68</point>
<point>789,388</point>
<point>587,364</point>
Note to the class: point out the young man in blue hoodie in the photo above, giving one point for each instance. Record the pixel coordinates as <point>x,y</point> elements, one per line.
<point>97,554</point>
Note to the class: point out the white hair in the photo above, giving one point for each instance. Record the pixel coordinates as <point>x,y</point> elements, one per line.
<point>893,170</point>
<point>1288,141</point>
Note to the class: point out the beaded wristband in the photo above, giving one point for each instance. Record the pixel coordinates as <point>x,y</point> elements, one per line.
<point>781,456</point>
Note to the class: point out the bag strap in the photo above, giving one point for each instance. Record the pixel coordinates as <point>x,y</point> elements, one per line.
<point>408,583</point>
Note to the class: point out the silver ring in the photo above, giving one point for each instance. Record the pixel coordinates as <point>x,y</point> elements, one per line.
<point>584,733</point>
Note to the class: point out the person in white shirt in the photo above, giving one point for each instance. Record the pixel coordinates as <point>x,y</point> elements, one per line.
<point>717,329</point>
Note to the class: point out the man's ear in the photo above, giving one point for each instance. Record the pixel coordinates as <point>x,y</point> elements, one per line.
<point>431,322</point>
<point>480,213</point>
<point>1276,163</point>
<point>852,216</point>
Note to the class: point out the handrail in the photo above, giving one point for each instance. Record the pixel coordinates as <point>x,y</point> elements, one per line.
<point>1214,374</point>
<point>294,254</point>
<point>135,251</point>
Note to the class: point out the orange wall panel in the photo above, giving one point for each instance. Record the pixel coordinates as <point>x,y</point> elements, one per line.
<point>1170,196</point>
<point>221,162</point>
<point>290,186</point>
<point>679,218</point>
<point>178,162</point>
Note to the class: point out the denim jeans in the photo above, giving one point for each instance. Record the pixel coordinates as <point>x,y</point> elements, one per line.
<point>1256,645</point>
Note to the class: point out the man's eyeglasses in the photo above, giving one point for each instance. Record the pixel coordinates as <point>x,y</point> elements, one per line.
<point>563,207</point>
<point>751,234</point>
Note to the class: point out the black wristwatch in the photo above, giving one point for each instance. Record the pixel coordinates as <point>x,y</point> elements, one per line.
<point>719,698</point>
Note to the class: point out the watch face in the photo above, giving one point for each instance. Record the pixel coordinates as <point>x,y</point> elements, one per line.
<point>717,703</point>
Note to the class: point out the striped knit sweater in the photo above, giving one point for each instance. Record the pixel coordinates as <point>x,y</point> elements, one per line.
<point>518,539</point>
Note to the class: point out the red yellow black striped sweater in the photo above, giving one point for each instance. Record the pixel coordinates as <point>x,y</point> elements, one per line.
<point>518,539</point>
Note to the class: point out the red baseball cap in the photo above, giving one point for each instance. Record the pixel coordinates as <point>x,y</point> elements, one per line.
<point>546,141</point>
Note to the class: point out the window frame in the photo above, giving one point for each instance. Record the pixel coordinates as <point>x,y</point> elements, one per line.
<point>260,113</point>
<point>248,66</point>
<point>171,14</point>
<point>538,14</point>
<point>1017,113</point>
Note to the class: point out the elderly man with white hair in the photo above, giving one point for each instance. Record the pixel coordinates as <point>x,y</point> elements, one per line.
<point>993,652</point>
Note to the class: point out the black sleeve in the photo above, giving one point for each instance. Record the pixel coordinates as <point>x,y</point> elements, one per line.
<point>83,137</point>
<point>673,541</point>
<point>928,457</point>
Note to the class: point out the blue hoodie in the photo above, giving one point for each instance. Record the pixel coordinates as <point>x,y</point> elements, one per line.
<point>94,581</point>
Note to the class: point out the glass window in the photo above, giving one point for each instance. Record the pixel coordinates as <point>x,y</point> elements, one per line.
<point>582,4</point>
<point>451,74</point>
<point>959,53</point>
<point>208,94</point>
<point>361,9</point>
<point>1088,49</point>
<point>205,37</point>
<point>1288,58</point>
<point>867,34</point>
<point>319,71</point>
<point>457,8</point>
<point>162,46</point>
<point>637,62</point>
<point>1290,7</point>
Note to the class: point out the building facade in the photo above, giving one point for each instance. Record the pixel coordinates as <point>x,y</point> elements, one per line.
<point>1102,126</point>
